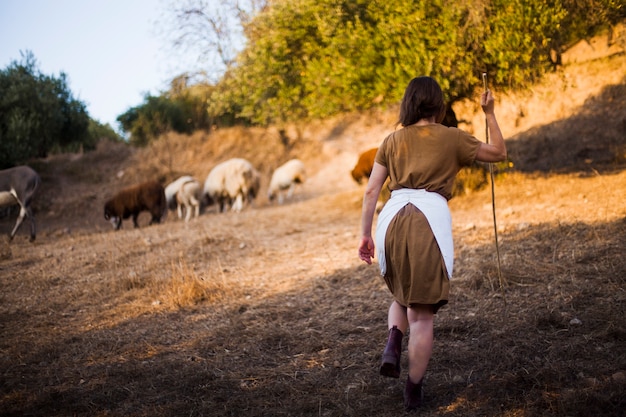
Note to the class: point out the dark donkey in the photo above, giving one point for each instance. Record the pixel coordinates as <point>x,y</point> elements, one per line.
<point>18,186</point>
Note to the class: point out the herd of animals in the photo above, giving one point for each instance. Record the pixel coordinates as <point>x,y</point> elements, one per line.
<point>231,184</point>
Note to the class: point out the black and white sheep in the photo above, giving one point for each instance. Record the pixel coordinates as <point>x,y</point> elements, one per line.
<point>363,167</point>
<point>188,199</point>
<point>285,177</point>
<point>18,185</point>
<point>233,182</point>
<point>130,201</point>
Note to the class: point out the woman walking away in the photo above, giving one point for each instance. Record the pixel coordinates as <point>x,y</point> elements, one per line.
<point>414,230</point>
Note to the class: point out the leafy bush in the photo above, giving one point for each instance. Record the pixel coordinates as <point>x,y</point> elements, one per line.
<point>316,58</point>
<point>306,59</point>
<point>183,109</point>
<point>38,114</point>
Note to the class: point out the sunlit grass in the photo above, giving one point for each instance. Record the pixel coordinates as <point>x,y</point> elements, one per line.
<point>187,288</point>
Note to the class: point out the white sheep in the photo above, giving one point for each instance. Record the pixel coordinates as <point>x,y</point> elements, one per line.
<point>285,177</point>
<point>188,199</point>
<point>172,188</point>
<point>232,182</point>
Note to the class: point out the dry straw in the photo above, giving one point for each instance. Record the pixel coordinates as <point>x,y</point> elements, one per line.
<point>187,288</point>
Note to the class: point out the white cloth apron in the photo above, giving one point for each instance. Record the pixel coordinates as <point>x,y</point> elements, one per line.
<point>435,208</point>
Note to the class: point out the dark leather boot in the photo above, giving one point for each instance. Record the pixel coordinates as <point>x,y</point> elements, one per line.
<point>413,395</point>
<point>391,355</point>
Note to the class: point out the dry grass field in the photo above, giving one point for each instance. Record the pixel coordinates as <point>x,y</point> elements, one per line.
<point>269,312</point>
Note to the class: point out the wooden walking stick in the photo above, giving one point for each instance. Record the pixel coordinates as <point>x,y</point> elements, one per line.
<point>493,204</point>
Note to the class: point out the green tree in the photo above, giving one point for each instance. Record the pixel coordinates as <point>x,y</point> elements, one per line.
<point>316,58</point>
<point>266,80</point>
<point>373,48</point>
<point>98,131</point>
<point>517,44</point>
<point>154,117</point>
<point>183,109</point>
<point>584,18</point>
<point>38,114</point>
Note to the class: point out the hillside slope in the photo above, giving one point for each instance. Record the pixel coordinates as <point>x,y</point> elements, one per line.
<point>573,122</point>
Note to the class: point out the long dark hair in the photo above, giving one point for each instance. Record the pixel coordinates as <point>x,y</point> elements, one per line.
<point>422,99</point>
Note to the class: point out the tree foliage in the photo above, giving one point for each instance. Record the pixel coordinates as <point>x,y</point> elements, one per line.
<point>307,59</point>
<point>520,34</point>
<point>315,58</point>
<point>585,18</point>
<point>98,131</point>
<point>39,114</point>
<point>183,109</point>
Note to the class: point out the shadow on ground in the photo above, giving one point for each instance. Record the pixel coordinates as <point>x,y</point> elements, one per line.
<point>594,139</point>
<point>552,343</point>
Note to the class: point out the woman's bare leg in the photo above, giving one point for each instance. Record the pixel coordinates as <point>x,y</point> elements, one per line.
<point>397,316</point>
<point>420,319</point>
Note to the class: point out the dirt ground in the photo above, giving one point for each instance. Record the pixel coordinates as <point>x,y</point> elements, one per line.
<point>269,312</point>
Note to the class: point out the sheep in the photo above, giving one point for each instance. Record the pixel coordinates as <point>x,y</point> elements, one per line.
<point>172,188</point>
<point>285,177</point>
<point>147,196</point>
<point>232,182</point>
<point>18,185</point>
<point>364,165</point>
<point>188,197</point>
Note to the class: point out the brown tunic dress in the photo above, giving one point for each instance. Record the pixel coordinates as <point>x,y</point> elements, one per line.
<point>421,157</point>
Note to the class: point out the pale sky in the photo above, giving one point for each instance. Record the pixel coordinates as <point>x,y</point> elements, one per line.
<point>110,50</point>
